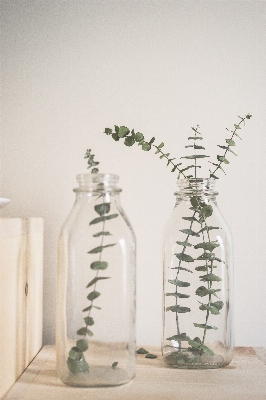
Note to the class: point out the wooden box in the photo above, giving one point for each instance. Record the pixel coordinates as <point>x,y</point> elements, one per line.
<point>21,292</point>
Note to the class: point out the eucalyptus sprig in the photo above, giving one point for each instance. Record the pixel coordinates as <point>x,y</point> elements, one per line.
<point>198,227</point>
<point>76,358</point>
<point>130,138</point>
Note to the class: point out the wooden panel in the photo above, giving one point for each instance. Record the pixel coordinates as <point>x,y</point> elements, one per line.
<point>20,264</point>
<point>34,282</point>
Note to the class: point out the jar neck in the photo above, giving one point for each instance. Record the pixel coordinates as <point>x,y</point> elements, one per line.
<point>196,187</point>
<point>97,184</point>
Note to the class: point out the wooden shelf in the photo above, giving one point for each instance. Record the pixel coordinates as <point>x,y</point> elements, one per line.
<point>243,379</point>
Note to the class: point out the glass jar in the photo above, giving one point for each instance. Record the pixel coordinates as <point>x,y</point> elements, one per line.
<point>96,288</point>
<point>198,280</point>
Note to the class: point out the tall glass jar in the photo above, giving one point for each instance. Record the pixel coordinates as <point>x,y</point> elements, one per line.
<point>198,279</point>
<point>96,288</point>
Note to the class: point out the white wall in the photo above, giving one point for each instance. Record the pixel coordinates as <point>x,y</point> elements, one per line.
<point>71,68</point>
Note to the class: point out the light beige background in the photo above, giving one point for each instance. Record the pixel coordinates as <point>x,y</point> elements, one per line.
<point>71,68</point>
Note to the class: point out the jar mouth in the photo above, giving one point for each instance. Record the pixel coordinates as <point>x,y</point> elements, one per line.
<point>196,187</point>
<point>97,182</point>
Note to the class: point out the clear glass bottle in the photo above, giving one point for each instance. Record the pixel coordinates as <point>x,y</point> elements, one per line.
<point>96,288</point>
<point>198,279</point>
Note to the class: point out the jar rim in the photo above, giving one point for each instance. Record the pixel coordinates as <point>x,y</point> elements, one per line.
<point>97,182</point>
<point>196,186</point>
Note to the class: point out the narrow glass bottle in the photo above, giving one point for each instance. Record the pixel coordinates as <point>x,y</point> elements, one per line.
<point>198,280</point>
<point>96,288</point>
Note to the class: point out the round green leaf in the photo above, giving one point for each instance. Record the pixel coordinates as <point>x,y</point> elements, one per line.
<point>146,146</point>
<point>139,137</point>
<point>93,295</point>
<point>129,141</point>
<point>89,321</point>
<point>82,345</point>
<point>123,131</point>
<point>95,265</point>
<point>102,209</point>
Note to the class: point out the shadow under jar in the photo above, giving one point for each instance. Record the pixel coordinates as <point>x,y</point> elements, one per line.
<point>198,280</point>
<point>96,288</point>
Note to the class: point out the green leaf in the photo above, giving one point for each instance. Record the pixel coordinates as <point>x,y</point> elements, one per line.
<point>206,211</point>
<point>139,137</point>
<point>203,291</point>
<point>222,159</point>
<point>102,209</point>
<point>161,145</point>
<point>149,355</point>
<point>238,136</point>
<point>184,257</point>
<point>196,147</point>
<point>114,364</point>
<point>194,344</point>
<point>178,309</point>
<point>97,278</point>
<point>179,295</point>
<point>218,304</point>
<point>195,138</point>
<point>195,156</point>
<point>94,171</point>
<point>201,268</point>
<point>189,232</point>
<point>82,331</point>
<point>89,320</point>
<point>182,337</point>
<point>212,309</point>
<point>210,278</point>
<point>115,136</point>
<point>184,269</point>
<point>123,131</point>
<point>87,308</point>
<point>75,353</point>
<point>207,246</point>
<point>204,326</point>
<point>214,176</point>
<point>142,351</point>
<point>77,366</point>
<point>99,249</point>
<point>206,256</point>
<point>116,128</point>
<point>129,141</point>
<point>96,265</point>
<point>103,218</point>
<point>102,234</point>
<point>152,140</point>
<point>146,146</point>
<point>179,283</point>
<point>230,142</point>
<point>208,228</point>
<point>185,244</point>
<point>108,131</point>
<point>237,126</point>
<point>82,345</point>
<point>207,350</point>
<point>175,167</point>
<point>190,219</point>
<point>231,151</point>
<point>194,202</point>
<point>93,295</point>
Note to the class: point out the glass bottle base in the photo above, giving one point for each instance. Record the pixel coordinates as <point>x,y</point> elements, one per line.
<point>188,360</point>
<point>98,376</point>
